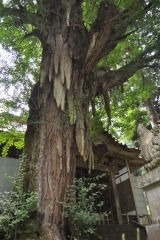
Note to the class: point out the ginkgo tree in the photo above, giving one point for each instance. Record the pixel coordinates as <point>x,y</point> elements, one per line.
<point>76,51</point>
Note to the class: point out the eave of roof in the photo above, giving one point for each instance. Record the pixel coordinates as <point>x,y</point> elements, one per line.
<point>110,154</point>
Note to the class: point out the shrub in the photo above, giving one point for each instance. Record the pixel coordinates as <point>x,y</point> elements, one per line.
<point>15,209</point>
<point>81,208</point>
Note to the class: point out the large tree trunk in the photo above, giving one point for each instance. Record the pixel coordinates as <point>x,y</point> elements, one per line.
<point>56,130</point>
<point>50,160</point>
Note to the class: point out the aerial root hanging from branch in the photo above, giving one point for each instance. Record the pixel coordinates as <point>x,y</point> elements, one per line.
<point>57,65</point>
<point>84,144</point>
<point>59,92</point>
<point>80,135</point>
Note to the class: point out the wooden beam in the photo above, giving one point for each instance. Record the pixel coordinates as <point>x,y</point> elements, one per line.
<point>97,166</point>
<point>116,197</point>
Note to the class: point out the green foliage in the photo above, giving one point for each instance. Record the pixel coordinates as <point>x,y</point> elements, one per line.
<point>98,118</point>
<point>10,135</point>
<point>122,4</point>
<point>19,70</point>
<point>127,108</point>
<point>15,209</point>
<point>82,206</point>
<point>11,138</point>
<point>21,175</point>
<point>96,125</point>
<point>88,15</point>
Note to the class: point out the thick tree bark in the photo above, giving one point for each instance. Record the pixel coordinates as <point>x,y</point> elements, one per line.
<point>57,128</point>
<point>50,160</point>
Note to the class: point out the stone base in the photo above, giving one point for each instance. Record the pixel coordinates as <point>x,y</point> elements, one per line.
<point>150,182</point>
<point>149,178</point>
<point>153,232</point>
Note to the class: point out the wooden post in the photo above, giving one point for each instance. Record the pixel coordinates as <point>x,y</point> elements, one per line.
<point>129,175</point>
<point>123,236</point>
<point>138,234</point>
<point>127,218</point>
<point>115,192</point>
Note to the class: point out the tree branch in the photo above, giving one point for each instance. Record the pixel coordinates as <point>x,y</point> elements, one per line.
<point>109,29</point>
<point>100,34</point>
<point>110,78</point>
<point>20,16</point>
<point>37,34</point>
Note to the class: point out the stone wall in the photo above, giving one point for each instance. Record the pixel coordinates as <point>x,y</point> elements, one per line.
<point>8,173</point>
<point>150,182</point>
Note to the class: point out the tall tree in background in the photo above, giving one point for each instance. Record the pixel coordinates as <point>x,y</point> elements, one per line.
<point>79,40</point>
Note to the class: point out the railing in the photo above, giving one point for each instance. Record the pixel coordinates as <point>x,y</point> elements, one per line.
<point>104,218</point>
